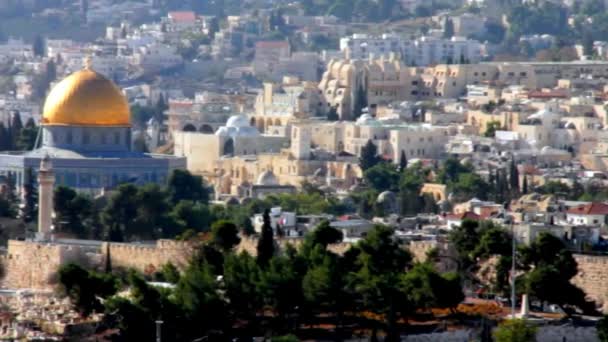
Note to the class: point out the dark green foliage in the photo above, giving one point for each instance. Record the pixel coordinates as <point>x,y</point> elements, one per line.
<point>39,46</point>
<point>360,102</point>
<point>185,186</point>
<point>382,177</point>
<point>74,213</point>
<point>225,234</point>
<point>325,235</point>
<point>265,245</point>
<point>369,156</point>
<point>27,136</point>
<point>546,18</point>
<point>515,330</point>
<point>550,268</point>
<point>5,140</point>
<point>84,287</point>
<point>602,329</point>
<point>448,29</point>
<point>402,161</point>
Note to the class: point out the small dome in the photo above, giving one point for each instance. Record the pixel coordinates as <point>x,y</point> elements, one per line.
<point>237,121</point>
<point>267,178</point>
<point>365,119</point>
<point>386,196</point>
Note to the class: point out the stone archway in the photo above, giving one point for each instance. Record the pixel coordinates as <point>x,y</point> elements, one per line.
<point>189,128</point>
<point>229,147</point>
<point>206,129</point>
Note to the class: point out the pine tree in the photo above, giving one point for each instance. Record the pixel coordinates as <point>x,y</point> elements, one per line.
<point>265,246</point>
<point>369,156</point>
<point>513,177</point>
<point>402,161</point>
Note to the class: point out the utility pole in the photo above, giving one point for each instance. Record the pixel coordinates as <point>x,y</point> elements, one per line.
<point>158,330</point>
<point>512,270</point>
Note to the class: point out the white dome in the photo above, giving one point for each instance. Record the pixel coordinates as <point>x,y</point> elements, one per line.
<point>237,121</point>
<point>365,119</point>
<point>267,178</point>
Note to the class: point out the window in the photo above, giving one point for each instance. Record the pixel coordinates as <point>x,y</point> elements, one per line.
<point>86,138</point>
<point>116,138</point>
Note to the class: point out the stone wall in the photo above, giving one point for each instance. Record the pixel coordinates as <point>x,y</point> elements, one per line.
<point>446,261</point>
<point>592,278</point>
<point>34,265</point>
<point>30,264</point>
<point>148,258</point>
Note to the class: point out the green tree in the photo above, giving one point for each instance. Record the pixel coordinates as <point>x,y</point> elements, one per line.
<point>382,177</point>
<point>602,329</point>
<point>448,28</point>
<point>265,245</point>
<point>84,288</point>
<point>241,280</point>
<point>491,128</point>
<point>360,102</point>
<point>191,215</point>
<point>324,234</point>
<point>513,177</point>
<point>38,46</point>
<point>379,266</point>
<point>27,136</point>
<point>185,186</point>
<point>74,212</point>
<point>515,330</point>
<point>550,267</point>
<point>369,156</point>
<point>5,139</point>
<point>121,211</point>
<point>225,235</point>
<point>402,161</point>
<point>15,128</point>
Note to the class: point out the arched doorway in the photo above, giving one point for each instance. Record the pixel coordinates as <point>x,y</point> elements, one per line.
<point>229,147</point>
<point>206,129</point>
<point>189,128</point>
<point>252,122</point>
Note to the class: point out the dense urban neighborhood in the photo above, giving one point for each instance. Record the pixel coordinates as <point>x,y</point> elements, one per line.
<point>310,170</point>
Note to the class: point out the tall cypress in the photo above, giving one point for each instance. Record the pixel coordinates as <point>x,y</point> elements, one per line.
<point>15,128</point>
<point>4,138</point>
<point>513,177</point>
<point>265,246</point>
<point>525,185</point>
<point>402,161</point>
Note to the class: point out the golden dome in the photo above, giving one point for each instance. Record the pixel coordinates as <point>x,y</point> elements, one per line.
<point>86,98</point>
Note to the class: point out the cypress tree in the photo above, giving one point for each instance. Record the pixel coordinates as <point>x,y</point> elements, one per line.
<point>402,161</point>
<point>369,156</point>
<point>448,30</point>
<point>108,266</point>
<point>4,138</point>
<point>525,185</point>
<point>265,246</point>
<point>15,128</point>
<point>514,177</point>
<point>38,46</point>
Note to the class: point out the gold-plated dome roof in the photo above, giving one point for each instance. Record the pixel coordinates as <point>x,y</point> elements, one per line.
<point>86,98</point>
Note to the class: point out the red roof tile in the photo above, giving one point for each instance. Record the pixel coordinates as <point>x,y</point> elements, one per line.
<point>462,216</point>
<point>183,17</point>
<point>590,209</point>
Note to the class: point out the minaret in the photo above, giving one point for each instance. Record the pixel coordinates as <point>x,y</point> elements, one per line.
<point>46,186</point>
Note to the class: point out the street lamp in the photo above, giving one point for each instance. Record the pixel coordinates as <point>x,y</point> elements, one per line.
<point>158,330</point>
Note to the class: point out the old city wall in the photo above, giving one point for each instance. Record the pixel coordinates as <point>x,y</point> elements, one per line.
<point>148,258</point>
<point>592,277</point>
<point>34,265</point>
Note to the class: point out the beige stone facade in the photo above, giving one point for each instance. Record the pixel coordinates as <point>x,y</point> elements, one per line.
<point>30,264</point>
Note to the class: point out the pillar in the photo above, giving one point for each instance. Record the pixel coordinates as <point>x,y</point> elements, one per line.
<point>46,186</point>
